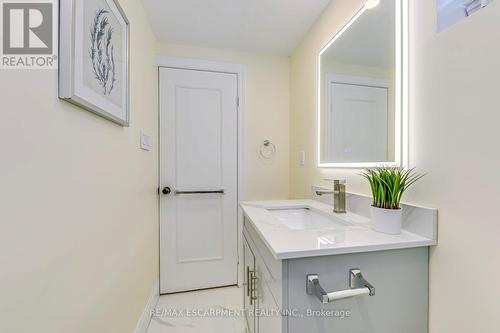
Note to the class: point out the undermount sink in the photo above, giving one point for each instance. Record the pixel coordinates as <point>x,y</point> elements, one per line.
<point>303,219</point>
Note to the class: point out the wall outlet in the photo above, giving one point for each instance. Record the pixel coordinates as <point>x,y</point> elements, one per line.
<point>145,141</point>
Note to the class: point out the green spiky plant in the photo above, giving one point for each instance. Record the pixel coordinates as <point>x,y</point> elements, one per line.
<point>388,184</point>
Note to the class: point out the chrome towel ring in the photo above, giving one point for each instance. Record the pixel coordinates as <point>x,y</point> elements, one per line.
<point>267,150</point>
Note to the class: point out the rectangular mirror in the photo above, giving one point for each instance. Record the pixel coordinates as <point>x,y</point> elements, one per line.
<point>362,89</point>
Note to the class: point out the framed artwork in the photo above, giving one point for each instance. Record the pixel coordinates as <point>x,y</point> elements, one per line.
<point>94,57</point>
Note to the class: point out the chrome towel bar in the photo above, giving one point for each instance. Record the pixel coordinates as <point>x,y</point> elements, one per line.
<point>357,284</point>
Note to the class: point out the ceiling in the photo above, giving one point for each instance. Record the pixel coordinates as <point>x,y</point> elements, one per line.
<point>370,41</point>
<point>260,26</point>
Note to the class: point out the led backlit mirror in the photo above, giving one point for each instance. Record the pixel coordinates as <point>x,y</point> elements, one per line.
<point>362,94</point>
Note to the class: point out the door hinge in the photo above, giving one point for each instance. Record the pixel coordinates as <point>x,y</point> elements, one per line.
<point>238,101</point>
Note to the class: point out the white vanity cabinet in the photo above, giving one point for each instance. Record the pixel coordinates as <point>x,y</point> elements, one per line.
<point>281,304</point>
<point>262,288</point>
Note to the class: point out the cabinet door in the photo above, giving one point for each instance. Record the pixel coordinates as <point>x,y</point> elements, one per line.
<point>268,318</point>
<point>248,294</point>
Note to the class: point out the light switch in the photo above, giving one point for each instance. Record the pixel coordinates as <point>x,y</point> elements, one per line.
<point>302,158</point>
<point>145,141</point>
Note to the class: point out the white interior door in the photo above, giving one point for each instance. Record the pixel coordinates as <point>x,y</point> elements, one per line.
<point>198,154</point>
<point>357,123</point>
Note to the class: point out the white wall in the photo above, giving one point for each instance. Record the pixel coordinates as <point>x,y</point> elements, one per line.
<point>450,12</point>
<point>266,115</point>
<point>78,202</point>
<point>453,137</point>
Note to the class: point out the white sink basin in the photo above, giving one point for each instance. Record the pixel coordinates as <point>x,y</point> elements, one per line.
<point>304,218</point>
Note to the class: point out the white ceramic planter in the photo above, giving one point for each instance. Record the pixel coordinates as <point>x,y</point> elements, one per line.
<point>387,221</point>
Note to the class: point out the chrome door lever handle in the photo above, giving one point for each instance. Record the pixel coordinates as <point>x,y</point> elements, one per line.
<point>199,192</point>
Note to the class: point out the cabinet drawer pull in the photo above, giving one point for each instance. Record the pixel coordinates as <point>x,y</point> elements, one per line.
<point>248,281</point>
<point>253,280</point>
<point>358,286</point>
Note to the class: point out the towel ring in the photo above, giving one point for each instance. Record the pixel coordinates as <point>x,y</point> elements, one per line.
<point>267,150</point>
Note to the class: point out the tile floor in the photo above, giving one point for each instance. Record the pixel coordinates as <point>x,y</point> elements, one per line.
<point>207,311</point>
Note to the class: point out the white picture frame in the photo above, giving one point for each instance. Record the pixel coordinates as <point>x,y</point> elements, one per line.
<point>94,57</point>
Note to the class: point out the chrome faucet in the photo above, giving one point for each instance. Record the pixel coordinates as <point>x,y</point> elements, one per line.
<point>338,192</point>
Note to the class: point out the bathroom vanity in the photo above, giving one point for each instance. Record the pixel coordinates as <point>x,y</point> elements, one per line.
<point>308,269</point>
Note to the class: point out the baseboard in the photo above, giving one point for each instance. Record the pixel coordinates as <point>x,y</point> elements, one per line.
<point>145,319</point>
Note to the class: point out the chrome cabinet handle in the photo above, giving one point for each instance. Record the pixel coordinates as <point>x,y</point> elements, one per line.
<point>248,281</point>
<point>254,279</point>
<point>358,286</point>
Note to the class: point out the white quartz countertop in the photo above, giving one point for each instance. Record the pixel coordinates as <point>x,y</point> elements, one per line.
<point>349,233</point>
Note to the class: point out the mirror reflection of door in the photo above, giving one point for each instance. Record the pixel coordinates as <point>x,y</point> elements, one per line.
<point>360,78</point>
<point>361,103</point>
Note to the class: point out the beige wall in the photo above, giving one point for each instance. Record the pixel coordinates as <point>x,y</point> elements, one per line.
<point>454,138</point>
<point>78,202</point>
<point>266,115</point>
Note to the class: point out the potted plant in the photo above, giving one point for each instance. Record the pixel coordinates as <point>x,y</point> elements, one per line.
<point>388,185</point>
